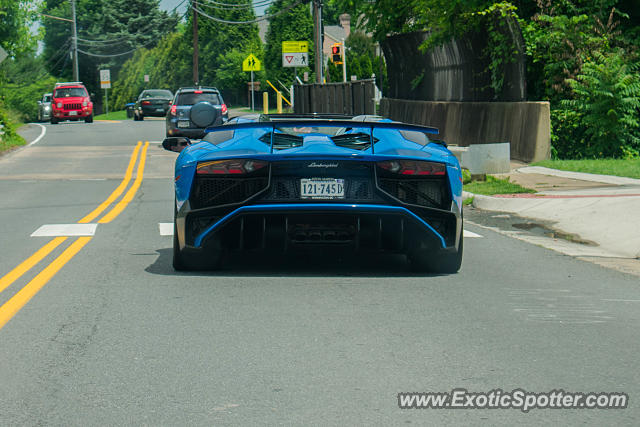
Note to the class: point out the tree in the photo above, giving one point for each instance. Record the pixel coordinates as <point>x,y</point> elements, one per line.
<point>105,31</point>
<point>295,24</point>
<point>222,44</point>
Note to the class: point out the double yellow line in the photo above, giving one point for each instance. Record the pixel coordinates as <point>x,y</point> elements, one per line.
<point>15,303</point>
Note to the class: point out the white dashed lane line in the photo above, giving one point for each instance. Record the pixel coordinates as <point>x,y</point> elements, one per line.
<point>64,230</point>
<point>468,233</point>
<point>166,229</point>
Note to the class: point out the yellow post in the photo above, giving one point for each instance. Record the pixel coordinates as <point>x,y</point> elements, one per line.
<point>279,102</point>
<point>265,102</point>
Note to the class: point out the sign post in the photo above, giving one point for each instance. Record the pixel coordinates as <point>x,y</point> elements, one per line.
<point>105,83</point>
<point>251,63</point>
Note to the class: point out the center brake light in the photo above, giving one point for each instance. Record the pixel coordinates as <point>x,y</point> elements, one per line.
<point>174,110</point>
<point>413,167</point>
<point>230,167</point>
<point>197,91</point>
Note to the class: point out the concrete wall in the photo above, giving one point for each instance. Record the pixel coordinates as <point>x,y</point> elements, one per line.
<point>526,125</point>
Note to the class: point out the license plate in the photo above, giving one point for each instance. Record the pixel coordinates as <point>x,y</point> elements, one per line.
<point>322,188</point>
<point>73,113</point>
<point>159,110</point>
<point>184,124</point>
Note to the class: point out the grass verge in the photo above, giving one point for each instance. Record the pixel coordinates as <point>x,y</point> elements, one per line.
<point>495,185</point>
<point>10,142</point>
<point>618,167</point>
<point>113,115</point>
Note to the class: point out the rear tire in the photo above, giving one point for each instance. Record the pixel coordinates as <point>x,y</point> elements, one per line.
<point>178,261</point>
<point>436,261</point>
<point>203,261</point>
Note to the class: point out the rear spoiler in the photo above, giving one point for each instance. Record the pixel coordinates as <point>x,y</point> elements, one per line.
<point>325,123</point>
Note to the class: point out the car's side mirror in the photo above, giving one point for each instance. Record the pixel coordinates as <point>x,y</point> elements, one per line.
<point>39,102</point>
<point>176,143</point>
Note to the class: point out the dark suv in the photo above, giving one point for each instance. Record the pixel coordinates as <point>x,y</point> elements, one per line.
<point>194,109</point>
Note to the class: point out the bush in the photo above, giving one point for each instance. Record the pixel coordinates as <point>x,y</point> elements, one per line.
<point>604,121</point>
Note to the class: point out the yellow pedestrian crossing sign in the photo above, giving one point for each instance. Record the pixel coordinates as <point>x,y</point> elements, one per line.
<point>251,63</point>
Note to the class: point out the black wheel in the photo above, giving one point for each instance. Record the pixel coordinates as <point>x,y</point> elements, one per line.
<point>178,261</point>
<point>438,262</point>
<point>88,119</point>
<point>54,121</point>
<point>141,117</point>
<point>200,261</point>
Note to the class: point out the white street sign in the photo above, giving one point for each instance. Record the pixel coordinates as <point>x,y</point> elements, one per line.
<point>299,59</point>
<point>3,54</point>
<point>146,78</point>
<point>105,79</point>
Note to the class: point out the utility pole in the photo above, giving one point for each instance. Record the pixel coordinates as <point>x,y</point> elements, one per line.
<point>76,75</point>
<point>196,77</point>
<point>317,38</point>
<point>344,61</point>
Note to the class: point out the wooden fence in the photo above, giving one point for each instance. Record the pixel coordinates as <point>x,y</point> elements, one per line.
<point>352,98</point>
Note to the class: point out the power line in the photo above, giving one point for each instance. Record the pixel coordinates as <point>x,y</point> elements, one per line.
<point>231,6</point>
<point>253,21</point>
<point>113,55</point>
<point>130,37</point>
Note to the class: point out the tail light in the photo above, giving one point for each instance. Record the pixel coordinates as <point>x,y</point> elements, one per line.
<point>224,109</point>
<point>230,167</point>
<point>174,110</point>
<point>413,167</point>
<point>146,102</point>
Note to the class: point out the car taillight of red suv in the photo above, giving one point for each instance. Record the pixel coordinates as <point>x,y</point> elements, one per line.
<point>71,101</point>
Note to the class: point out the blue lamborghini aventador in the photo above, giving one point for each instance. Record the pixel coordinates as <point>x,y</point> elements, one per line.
<point>289,183</point>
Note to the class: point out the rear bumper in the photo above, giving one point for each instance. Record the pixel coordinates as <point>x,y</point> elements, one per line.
<point>277,227</point>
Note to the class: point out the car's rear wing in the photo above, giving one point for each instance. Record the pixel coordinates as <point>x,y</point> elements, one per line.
<point>324,123</point>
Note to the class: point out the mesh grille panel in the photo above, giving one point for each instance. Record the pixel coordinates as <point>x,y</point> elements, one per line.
<point>288,188</point>
<point>421,192</point>
<point>221,191</point>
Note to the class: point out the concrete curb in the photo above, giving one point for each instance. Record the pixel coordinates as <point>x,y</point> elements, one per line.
<point>605,179</point>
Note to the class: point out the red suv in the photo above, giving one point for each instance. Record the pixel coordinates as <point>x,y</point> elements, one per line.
<point>71,101</point>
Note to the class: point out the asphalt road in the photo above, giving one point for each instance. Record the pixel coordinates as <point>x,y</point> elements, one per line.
<point>103,331</point>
